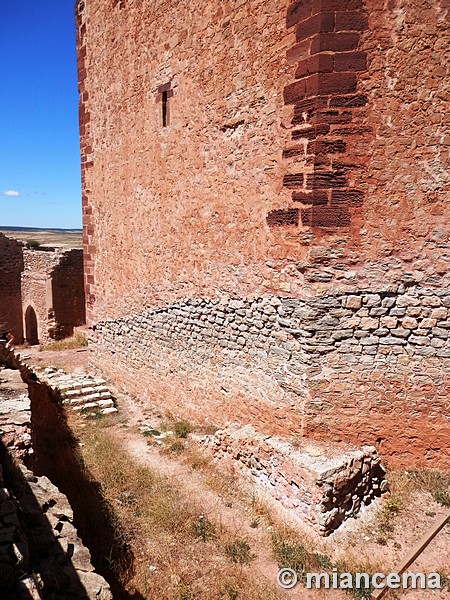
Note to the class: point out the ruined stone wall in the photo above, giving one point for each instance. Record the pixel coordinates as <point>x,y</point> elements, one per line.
<point>322,485</point>
<point>42,555</point>
<point>11,266</point>
<point>36,290</point>
<point>53,286</point>
<point>67,285</point>
<point>278,252</point>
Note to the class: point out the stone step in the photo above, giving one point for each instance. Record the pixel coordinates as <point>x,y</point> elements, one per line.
<point>76,402</point>
<point>82,394</point>
<point>90,406</point>
<point>109,411</point>
<point>105,403</point>
<point>91,398</point>
<point>71,392</point>
<point>88,390</point>
<point>102,388</point>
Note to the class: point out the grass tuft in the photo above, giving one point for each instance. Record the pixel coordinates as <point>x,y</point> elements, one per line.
<point>239,551</point>
<point>182,429</point>
<point>442,497</point>
<point>293,553</point>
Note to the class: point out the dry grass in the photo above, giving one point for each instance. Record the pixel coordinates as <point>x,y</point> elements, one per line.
<point>404,487</point>
<point>405,484</point>
<point>300,554</point>
<point>437,483</point>
<point>181,553</point>
<point>78,340</point>
<point>229,487</point>
<point>386,519</point>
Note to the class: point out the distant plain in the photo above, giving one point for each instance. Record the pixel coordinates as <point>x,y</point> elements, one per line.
<point>57,238</point>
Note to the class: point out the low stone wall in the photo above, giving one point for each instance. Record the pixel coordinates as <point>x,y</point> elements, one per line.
<point>41,554</point>
<point>366,367</point>
<point>321,484</point>
<point>81,393</point>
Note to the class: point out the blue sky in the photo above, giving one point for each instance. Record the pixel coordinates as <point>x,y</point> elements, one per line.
<point>39,147</point>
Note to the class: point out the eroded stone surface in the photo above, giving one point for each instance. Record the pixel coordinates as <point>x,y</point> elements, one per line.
<point>341,366</point>
<point>322,484</point>
<point>41,555</point>
<point>303,158</point>
<point>81,393</point>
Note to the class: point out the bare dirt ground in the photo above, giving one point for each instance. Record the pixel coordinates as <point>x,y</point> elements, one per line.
<point>235,517</point>
<point>71,361</point>
<point>379,540</point>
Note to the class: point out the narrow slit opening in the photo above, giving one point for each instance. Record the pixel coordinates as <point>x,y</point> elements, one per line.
<point>164,109</point>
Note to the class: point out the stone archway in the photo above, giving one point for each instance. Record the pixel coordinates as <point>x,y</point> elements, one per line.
<point>31,326</point>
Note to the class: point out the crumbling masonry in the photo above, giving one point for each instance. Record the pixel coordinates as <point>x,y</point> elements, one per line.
<point>42,291</point>
<point>266,217</point>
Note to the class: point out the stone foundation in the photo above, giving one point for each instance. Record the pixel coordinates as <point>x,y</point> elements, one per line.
<point>321,484</point>
<point>367,367</point>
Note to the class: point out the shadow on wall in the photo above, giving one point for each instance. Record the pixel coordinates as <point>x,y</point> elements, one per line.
<point>67,281</point>
<point>31,326</point>
<point>58,458</point>
<point>57,574</point>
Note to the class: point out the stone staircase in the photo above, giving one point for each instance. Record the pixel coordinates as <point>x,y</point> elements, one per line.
<point>82,393</point>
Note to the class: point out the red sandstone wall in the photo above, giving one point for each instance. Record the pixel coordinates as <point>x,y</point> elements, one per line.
<point>407,176</point>
<point>306,155</point>
<point>370,138</point>
<point>193,203</point>
<point>188,202</point>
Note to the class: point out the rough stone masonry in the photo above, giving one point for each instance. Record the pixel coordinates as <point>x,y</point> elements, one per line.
<point>266,216</point>
<point>42,295</point>
<point>41,553</point>
<point>320,484</point>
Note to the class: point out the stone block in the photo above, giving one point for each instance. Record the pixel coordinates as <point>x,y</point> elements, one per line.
<point>328,483</point>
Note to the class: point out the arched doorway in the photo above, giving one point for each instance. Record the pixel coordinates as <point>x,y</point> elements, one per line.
<point>31,326</point>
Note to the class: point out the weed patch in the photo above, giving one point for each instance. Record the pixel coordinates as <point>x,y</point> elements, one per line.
<point>293,554</point>
<point>239,551</point>
<point>78,340</point>
<point>182,429</point>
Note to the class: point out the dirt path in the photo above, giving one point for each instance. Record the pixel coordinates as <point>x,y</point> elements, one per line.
<point>359,538</point>
<point>235,518</point>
